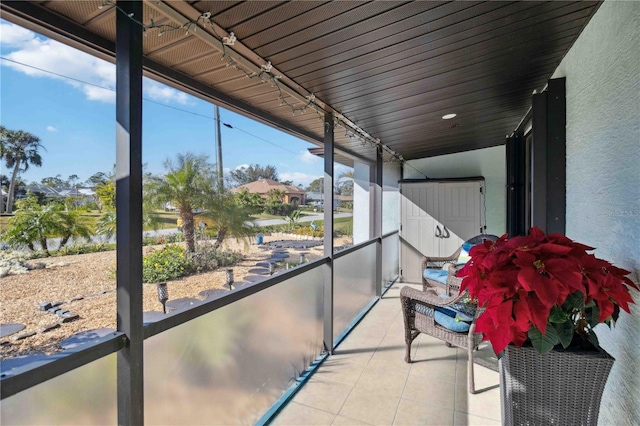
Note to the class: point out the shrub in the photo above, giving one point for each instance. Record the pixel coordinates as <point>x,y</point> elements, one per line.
<point>307,230</point>
<point>165,264</point>
<point>280,209</point>
<point>207,259</point>
<point>83,248</point>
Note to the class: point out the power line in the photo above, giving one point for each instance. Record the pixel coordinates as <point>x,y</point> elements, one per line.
<point>157,103</point>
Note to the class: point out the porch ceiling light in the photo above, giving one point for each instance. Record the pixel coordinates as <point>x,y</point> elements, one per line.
<point>448,116</point>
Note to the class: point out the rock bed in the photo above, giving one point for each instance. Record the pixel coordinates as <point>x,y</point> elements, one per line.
<point>86,285</point>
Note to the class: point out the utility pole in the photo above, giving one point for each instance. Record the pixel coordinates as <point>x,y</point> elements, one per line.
<point>219,145</point>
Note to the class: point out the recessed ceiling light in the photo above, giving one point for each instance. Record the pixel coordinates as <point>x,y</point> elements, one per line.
<point>448,116</point>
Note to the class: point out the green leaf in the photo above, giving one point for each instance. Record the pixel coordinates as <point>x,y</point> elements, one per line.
<point>557,315</point>
<point>543,343</point>
<point>592,316</point>
<point>565,332</point>
<point>573,301</point>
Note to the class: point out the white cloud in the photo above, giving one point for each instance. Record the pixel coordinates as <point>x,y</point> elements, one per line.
<point>51,129</point>
<point>13,35</point>
<point>302,179</point>
<point>161,93</point>
<point>97,78</point>
<point>307,157</point>
<point>242,166</point>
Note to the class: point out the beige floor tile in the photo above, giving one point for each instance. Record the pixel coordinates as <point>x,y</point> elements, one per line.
<point>300,415</point>
<point>464,419</point>
<point>345,421</point>
<point>323,394</point>
<point>341,369</point>
<point>370,407</point>
<point>415,413</point>
<point>484,377</point>
<point>484,404</point>
<point>430,391</point>
<point>433,369</point>
<point>393,360</point>
<point>382,379</point>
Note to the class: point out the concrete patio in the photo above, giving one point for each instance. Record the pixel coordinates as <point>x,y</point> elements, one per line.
<point>367,381</point>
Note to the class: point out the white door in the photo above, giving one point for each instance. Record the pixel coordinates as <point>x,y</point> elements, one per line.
<point>460,213</point>
<point>418,215</point>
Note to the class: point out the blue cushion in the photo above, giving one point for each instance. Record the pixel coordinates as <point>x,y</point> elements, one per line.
<point>447,318</point>
<point>444,318</point>
<point>438,275</point>
<point>463,310</point>
<point>467,246</point>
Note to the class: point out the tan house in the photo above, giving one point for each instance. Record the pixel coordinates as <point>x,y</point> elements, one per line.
<point>292,194</point>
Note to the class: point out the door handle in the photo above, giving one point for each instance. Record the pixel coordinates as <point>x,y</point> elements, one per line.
<point>447,234</point>
<point>438,232</point>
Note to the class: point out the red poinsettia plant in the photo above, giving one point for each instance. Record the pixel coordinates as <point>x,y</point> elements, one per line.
<point>545,289</point>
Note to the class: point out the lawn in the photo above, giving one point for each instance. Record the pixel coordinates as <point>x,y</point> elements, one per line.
<point>167,219</point>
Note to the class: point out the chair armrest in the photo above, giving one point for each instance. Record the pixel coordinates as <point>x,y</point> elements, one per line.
<point>429,297</point>
<point>435,262</point>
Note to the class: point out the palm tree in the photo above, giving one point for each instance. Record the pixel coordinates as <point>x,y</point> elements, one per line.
<point>228,216</point>
<point>18,149</point>
<point>73,224</point>
<point>185,185</point>
<point>34,223</point>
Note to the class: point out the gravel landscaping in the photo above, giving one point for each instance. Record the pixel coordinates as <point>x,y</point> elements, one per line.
<point>86,286</point>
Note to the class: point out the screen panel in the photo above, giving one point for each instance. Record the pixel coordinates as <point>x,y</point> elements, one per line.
<point>230,365</point>
<point>83,396</point>
<point>353,286</point>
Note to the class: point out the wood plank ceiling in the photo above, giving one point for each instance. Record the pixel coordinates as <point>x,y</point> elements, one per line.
<point>393,68</point>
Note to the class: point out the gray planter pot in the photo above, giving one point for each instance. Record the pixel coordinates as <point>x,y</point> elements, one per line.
<point>558,388</point>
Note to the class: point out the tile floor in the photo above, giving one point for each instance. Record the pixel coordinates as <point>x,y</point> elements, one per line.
<point>367,382</point>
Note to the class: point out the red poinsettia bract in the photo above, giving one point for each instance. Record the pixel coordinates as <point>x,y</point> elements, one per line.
<point>520,281</point>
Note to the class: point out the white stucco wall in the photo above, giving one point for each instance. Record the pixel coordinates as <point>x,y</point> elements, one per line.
<point>391,174</point>
<point>488,162</point>
<point>603,176</point>
<point>361,202</point>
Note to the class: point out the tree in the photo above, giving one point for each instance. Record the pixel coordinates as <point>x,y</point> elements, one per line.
<point>106,195</point>
<point>54,181</point>
<point>186,185</point>
<point>18,149</point>
<point>96,179</point>
<point>72,224</point>
<point>275,196</point>
<point>344,183</point>
<point>252,202</point>
<point>254,172</point>
<point>227,215</point>
<point>316,186</point>
<point>36,223</point>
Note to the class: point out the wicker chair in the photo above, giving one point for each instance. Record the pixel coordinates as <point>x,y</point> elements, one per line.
<point>439,262</point>
<point>418,310</point>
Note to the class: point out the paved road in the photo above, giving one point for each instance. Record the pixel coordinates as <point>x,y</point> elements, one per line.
<point>309,218</point>
<point>54,242</point>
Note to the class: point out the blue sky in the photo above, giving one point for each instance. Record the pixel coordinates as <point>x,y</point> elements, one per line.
<point>76,121</point>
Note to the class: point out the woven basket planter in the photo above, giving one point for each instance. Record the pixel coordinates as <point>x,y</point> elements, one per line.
<point>558,388</point>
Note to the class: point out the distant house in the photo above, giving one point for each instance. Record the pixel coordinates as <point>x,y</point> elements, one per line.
<point>292,194</point>
<point>317,199</point>
<point>83,195</point>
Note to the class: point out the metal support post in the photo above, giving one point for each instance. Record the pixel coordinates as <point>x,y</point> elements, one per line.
<point>129,211</point>
<point>377,219</point>
<point>328,230</point>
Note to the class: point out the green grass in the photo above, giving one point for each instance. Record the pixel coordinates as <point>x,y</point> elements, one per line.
<point>344,225</point>
<point>263,216</point>
<point>167,219</point>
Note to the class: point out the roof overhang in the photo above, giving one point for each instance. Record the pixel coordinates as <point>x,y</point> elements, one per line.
<point>388,71</point>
